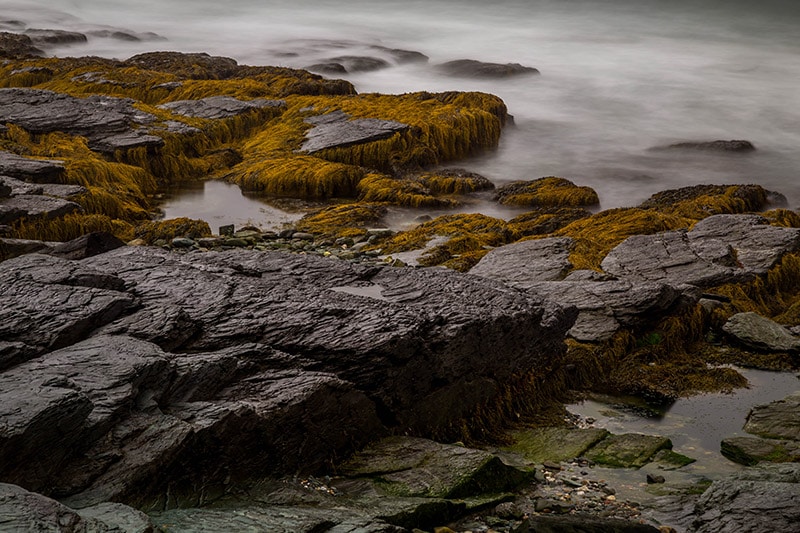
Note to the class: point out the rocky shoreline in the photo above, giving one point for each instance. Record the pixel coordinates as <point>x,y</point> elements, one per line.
<point>158,377</point>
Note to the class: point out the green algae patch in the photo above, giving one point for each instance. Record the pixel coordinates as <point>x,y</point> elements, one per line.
<point>556,444</point>
<point>348,220</point>
<point>628,450</point>
<point>546,192</point>
<point>166,230</point>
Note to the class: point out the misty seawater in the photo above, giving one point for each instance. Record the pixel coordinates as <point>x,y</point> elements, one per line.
<point>617,76</point>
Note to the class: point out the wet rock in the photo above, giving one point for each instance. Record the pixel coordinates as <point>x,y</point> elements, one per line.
<point>109,123</point>
<point>583,524</point>
<point>55,37</point>
<point>91,244</point>
<point>524,263</point>
<point>5,188</point>
<point>412,467</point>
<point>119,516</point>
<point>628,450</point>
<point>192,66</point>
<point>739,146</point>
<point>469,68</point>
<point>27,511</point>
<point>327,68</point>
<point>337,130</point>
<point>654,479</point>
<point>30,170</point>
<point>777,420</point>
<point>761,500</point>
<point>752,450</point>
<point>551,191</point>
<point>218,107</point>
<point>360,63</point>
<point>33,207</point>
<point>10,248</point>
<point>403,56</point>
<point>182,242</point>
<point>555,443</point>
<point>18,46</point>
<point>760,333</point>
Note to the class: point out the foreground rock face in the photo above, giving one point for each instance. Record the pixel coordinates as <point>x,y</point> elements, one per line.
<point>138,366</point>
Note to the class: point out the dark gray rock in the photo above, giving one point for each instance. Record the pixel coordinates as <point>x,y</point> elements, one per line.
<point>337,130</point>
<point>193,65</point>
<point>116,515</point>
<point>413,467</point>
<point>760,333</point>
<point>23,511</point>
<point>760,500</point>
<point>35,206</point>
<point>753,450</point>
<point>776,420</point>
<point>17,46</point>
<point>359,63</point>
<point>524,263</point>
<point>739,146</point>
<point>469,68</point>
<point>10,248</point>
<point>403,56</point>
<point>5,187</point>
<point>327,68</point>
<point>555,444</point>
<point>97,242</point>
<point>46,37</point>
<point>217,107</point>
<point>583,524</point>
<point>109,123</point>
<point>30,170</point>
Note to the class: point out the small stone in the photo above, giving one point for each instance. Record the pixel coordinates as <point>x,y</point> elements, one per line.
<point>286,234</point>
<point>182,242</point>
<point>303,236</point>
<point>227,230</point>
<point>239,243</point>
<point>611,498</point>
<point>508,511</point>
<point>552,466</point>
<point>651,479</point>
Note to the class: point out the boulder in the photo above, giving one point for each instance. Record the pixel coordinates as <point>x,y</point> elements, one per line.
<point>336,129</point>
<point>777,420</point>
<point>23,511</point>
<point>30,170</point>
<point>359,63</point>
<point>753,450</point>
<point>760,500</point>
<point>524,263</point>
<point>192,66</point>
<point>17,46</point>
<point>470,68</point>
<point>628,450</point>
<point>217,107</point>
<point>35,206</point>
<point>46,37</point>
<point>403,56</point>
<point>760,333</point>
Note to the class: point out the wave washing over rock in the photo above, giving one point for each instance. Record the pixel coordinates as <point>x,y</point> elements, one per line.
<point>327,375</point>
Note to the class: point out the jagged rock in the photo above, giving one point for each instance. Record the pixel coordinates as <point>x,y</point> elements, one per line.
<point>17,46</point>
<point>524,263</point>
<point>752,450</point>
<point>470,68</point>
<point>109,123</point>
<point>43,37</point>
<point>413,467</point>
<point>719,249</point>
<point>760,333</point>
<point>711,146</point>
<point>776,420</point>
<point>337,129</point>
<point>217,107</point>
<point>35,206</point>
<point>88,245</point>
<point>555,444</point>
<point>49,302</point>
<point>628,450</point>
<point>30,170</point>
<point>760,500</point>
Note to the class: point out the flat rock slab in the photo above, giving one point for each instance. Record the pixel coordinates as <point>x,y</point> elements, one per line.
<point>555,444</point>
<point>337,129</point>
<point>35,206</point>
<point>31,170</point>
<point>760,333</point>
<point>412,467</point>
<point>761,500</point>
<point>776,420</point>
<point>753,450</point>
<point>218,107</point>
<point>628,450</point>
<point>524,263</point>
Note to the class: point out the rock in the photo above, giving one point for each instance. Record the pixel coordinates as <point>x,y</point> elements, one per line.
<point>336,129</point>
<point>24,511</point>
<point>88,245</point>
<point>218,107</point>
<point>5,189</point>
<point>653,479</point>
<point>469,68</point>
<point>403,56</point>
<point>719,249</point>
<point>555,444</point>
<point>182,242</point>
<point>413,467</point>
<point>10,248</point>
<point>327,68</point>
<point>17,46</point>
<point>192,66</point>
<point>55,37</point>
<point>551,191</point>
<point>30,170</point>
<point>761,500</point>
<point>628,450</point>
<point>776,420</point>
<point>227,230</point>
<point>740,146</point>
<point>108,122</point>
<point>33,207</point>
<point>303,236</point>
<point>524,263</point>
<point>359,63</point>
<point>760,333</point>
<point>116,515</point>
<point>583,524</point>
<point>752,450</point>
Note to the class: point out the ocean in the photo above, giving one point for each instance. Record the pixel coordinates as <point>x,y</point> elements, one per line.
<point>617,76</point>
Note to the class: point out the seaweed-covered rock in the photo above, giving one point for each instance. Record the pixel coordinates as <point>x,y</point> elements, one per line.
<point>470,68</point>
<point>193,65</point>
<point>760,333</point>
<point>546,192</point>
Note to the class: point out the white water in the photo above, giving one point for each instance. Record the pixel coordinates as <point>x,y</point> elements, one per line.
<point>618,76</point>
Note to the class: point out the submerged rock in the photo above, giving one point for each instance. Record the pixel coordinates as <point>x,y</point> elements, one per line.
<point>753,450</point>
<point>628,450</point>
<point>17,46</point>
<point>711,146</point>
<point>470,68</point>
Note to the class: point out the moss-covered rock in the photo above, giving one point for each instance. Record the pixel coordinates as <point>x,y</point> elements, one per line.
<point>555,444</point>
<point>629,450</point>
